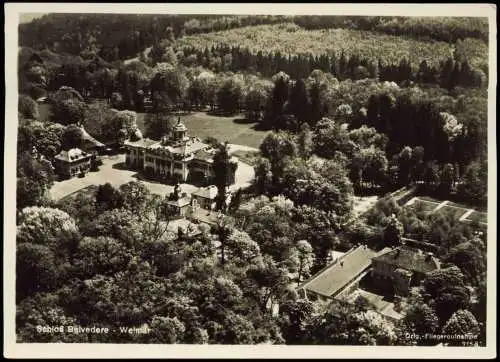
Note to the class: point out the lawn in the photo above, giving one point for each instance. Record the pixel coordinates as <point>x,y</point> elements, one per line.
<point>204,125</point>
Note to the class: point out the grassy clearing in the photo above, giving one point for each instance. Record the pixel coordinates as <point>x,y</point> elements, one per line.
<point>204,125</point>
<point>296,40</point>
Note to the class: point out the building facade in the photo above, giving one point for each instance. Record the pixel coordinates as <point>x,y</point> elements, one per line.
<point>176,157</point>
<point>179,202</point>
<point>205,197</point>
<point>73,162</point>
<point>401,268</point>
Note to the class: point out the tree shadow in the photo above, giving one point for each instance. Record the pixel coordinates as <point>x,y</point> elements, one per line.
<point>121,166</point>
<point>219,113</point>
<point>142,176</point>
<point>261,126</point>
<point>368,284</point>
<point>243,121</point>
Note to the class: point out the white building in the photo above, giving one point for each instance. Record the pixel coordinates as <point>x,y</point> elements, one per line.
<point>177,157</point>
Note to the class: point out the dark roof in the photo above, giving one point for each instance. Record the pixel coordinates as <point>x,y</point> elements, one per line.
<point>333,278</point>
<point>410,259</point>
<point>72,155</point>
<point>204,155</point>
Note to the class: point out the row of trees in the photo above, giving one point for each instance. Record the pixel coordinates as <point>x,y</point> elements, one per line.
<point>99,33</point>
<point>221,57</point>
<point>408,117</point>
<point>445,29</point>
<point>443,153</point>
<point>171,86</point>
<point>96,78</point>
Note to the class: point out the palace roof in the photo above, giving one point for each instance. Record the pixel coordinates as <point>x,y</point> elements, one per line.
<point>72,155</point>
<point>183,201</point>
<point>142,143</point>
<point>204,155</point>
<point>410,259</point>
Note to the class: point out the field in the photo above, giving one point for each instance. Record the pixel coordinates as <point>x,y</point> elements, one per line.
<point>204,125</point>
<point>296,40</point>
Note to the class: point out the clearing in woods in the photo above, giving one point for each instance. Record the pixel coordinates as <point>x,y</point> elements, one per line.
<point>233,129</point>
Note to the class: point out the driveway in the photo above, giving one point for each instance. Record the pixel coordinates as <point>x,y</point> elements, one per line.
<point>115,172</point>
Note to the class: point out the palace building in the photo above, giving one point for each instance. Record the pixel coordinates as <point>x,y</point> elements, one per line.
<point>73,162</point>
<point>402,267</point>
<point>175,157</point>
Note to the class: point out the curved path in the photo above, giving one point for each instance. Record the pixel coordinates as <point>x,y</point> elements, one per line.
<point>114,171</point>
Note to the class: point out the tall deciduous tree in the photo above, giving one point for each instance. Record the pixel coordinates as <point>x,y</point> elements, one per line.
<point>34,179</point>
<point>306,258</point>
<point>305,141</point>
<point>279,97</point>
<point>298,103</point>
<point>108,197</point>
<point>72,137</point>
<point>461,323</point>
<point>393,232</point>
<point>419,318</point>
<point>48,226</point>
<point>229,95</point>
<point>27,107</point>
<point>158,125</point>
<point>224,170</point>
<point>276,147</point>
<point>474,183</point>
<point>36,269</point>
<point>120,126</point>
<point>447,289</point>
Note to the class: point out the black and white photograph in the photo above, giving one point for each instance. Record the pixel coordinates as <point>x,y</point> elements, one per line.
<point>189,176</point>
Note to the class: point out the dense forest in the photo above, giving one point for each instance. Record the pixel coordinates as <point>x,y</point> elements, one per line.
<point>131,34</point>
<point>345,121</point>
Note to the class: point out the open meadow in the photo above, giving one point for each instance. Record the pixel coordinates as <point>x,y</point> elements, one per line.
<point>231,129</point>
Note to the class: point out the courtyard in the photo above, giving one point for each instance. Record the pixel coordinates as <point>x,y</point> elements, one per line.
<point>114,171</point>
